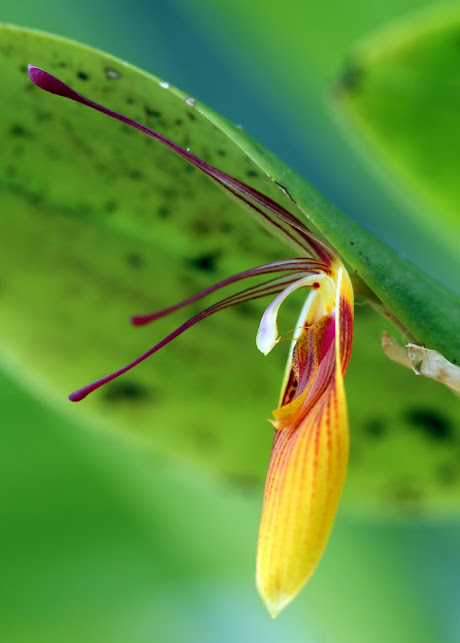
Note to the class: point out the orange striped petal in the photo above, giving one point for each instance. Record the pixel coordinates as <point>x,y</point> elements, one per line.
<point>309,457</point>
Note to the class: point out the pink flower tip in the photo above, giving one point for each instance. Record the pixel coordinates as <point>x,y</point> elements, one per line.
<point>139,320</point>
<point>35,73</point>
<point>76,396</point>
<point>50,83</point>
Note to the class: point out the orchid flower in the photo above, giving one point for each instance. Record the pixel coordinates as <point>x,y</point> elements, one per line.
<point>310,450</point>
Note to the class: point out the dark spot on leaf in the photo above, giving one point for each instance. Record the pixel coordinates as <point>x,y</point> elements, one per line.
<point>20,131</point>
<point>266,233</point>
<point>221,152</point>
<point>206,262</point>
<point>35,200</point>
<point>252,173</point>
<point>130,100</point>
<point>200,227</point>
<point>191,116</point>
<point>352,77</point>
<point>205,439</point>
<point>136,175</point>
<point>375,428</point>
<point>23,69</point>
<point>243,481</point>
<point>61,64</point>
<point>205,153</point>
<point>126,392</point>
<point>163,212</point>
<point>448,474</point>
<point>178,122</point>
<point>82,75</point>
<point>43,116</point>
<point>110,206</point>
<point>152,112</point>
<point>246,309</point>
<point>134,260</point>
<point>407,496</point>
<point>226,227</point>
<point>68,126</point>
<point>352,243</point>
<point>431,422</point>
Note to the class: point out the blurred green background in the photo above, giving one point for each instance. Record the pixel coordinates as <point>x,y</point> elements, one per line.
<point>101,542</point>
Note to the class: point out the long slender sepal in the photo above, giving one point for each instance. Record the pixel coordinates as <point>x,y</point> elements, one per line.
<point>251,197</point>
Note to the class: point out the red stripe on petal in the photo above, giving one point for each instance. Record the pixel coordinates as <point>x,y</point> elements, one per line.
<point>344,318</point>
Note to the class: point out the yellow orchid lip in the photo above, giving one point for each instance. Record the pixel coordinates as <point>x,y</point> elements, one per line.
<point>310,450</point>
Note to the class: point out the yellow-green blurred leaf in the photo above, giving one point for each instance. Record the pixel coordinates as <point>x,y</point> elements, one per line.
<point>400,96</point>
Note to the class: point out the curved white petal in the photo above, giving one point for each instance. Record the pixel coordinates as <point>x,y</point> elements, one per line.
<point>267,335</point>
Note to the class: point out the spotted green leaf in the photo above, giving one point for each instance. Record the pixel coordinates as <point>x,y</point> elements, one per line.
<point>99,222</point>
<point>400,102</point>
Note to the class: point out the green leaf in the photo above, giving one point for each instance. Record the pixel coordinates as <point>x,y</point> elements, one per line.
<point>294,82</point>
<point>400,102</point>
<point>99,222</point>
